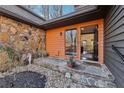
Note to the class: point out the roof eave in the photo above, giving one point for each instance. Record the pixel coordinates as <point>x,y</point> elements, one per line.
<point>7,13</point>
<point>88,8</point>
<point>92,13</point>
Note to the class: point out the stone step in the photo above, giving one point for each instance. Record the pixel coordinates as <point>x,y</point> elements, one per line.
<point>100,72</point>
<point>92,81</point>
<point>89,75</point>
<point>105,75</point>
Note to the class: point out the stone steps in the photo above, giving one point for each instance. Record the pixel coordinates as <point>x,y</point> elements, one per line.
<point>92,81</point>
<point>89,76</point>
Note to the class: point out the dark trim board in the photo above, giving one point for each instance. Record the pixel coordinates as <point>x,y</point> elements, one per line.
<point>93,13</point>
<point>89,12</point>
<point>20,20</point>
<point>26,9</point>
<point>20,14</point>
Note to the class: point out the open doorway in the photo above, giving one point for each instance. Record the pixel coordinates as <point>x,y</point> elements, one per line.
<point>89,43</point>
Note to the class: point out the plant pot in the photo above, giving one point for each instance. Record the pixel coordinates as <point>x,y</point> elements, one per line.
<point>71,65</point>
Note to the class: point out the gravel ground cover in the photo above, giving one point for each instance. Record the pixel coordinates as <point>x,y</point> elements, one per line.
<point>26,79</point>
<point>49,74</point>
<point>53,79</point>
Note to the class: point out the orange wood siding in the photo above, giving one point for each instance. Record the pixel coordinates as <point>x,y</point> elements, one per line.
<point>55,43</point>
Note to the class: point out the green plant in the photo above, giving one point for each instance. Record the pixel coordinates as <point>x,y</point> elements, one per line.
<point>2,48</point>
<point>8,66</point>
<point>8,58</point>
<point>71,60</point>
<point>12,54</point>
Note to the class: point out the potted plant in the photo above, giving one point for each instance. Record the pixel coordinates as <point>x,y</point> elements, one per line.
<point>71,62</point>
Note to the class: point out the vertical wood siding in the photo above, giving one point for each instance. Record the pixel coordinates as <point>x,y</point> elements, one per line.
<point>114,35</point>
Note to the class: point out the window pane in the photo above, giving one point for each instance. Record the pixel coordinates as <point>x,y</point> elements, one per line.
<point>71,42</point>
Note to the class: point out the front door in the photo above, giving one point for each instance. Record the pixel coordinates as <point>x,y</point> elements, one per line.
<point>89,43</point>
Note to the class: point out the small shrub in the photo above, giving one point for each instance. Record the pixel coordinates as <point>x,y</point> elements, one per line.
<point>3,57</point>
<point>71,62</point>
<point>4,67</point>
<point>9,58</point>
<point>11,53</point>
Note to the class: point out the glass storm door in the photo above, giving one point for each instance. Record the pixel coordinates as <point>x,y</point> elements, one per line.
<point>89,43</point>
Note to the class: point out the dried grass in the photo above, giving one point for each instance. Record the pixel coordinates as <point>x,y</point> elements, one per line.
<point>6,59</point>
<point>5,66</point>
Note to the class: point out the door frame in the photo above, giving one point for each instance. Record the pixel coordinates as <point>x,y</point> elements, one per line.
<point>92,60</point>
<point>100,23</point>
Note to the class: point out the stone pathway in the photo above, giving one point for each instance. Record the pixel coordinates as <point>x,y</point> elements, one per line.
<point>90,75</point>
<point>58,75</point>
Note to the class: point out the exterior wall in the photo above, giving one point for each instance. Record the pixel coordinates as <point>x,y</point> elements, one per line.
<point>114,35</point>
<point>55,43</point>
<point>21,36</point>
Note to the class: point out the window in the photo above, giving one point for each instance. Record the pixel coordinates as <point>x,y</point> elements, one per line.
<point>70,48</point>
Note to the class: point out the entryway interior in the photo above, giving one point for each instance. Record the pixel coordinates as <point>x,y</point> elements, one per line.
<point>89,43</point>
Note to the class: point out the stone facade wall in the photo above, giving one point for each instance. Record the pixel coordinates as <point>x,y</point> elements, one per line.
<point>21,37</point>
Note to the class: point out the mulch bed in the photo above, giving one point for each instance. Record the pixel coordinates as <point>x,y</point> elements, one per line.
<point>26,79</point>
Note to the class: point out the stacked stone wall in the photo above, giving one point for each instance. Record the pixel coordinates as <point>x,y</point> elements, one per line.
<point>21,37</point>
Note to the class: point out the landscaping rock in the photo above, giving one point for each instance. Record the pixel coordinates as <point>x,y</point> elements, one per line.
<point>105,84</point>
<point>62,76</point>
<point>68,75</point>
<point>82,74</point>
<point>76,76</point>
<point>25,79</point>
<point>26,58</point>
<point>62,69</point>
